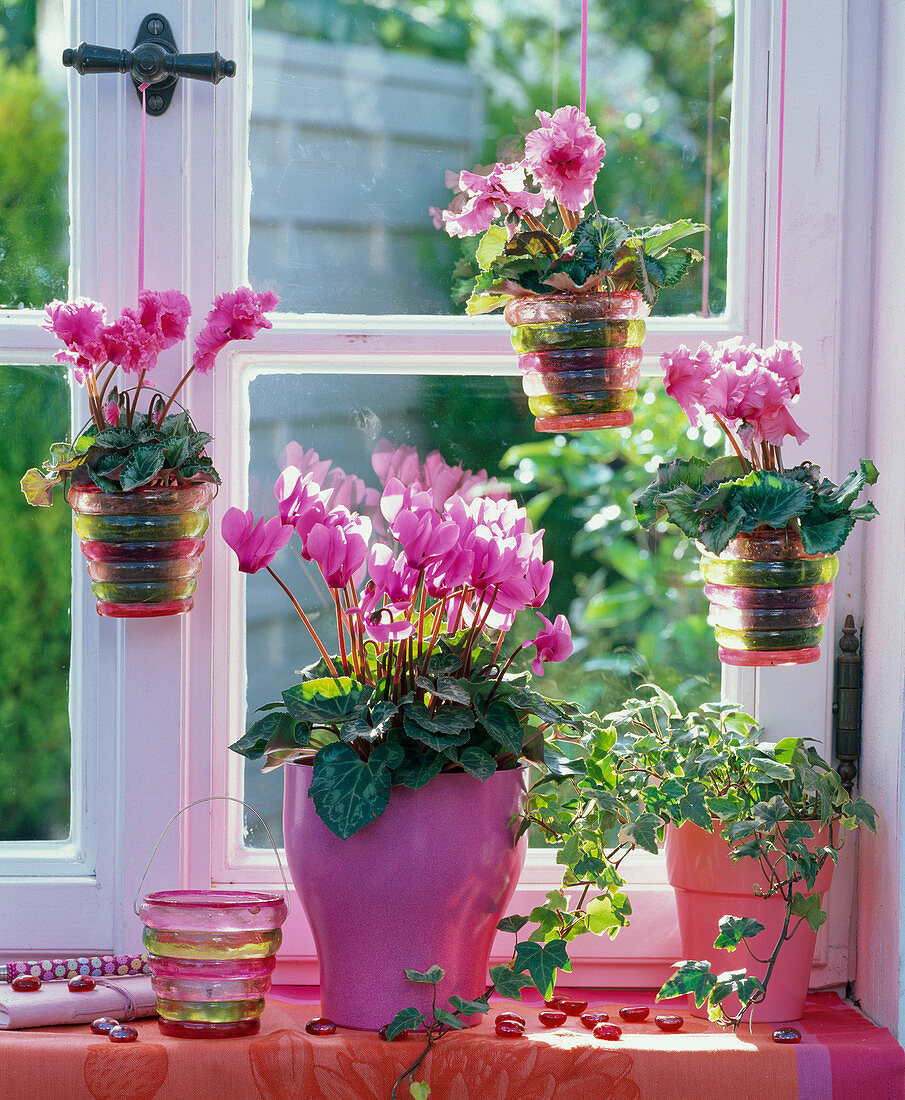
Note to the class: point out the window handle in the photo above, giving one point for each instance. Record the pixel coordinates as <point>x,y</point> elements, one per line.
<point>154,59</point>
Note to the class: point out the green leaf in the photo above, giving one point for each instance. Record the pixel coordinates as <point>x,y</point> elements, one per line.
<point>415,773</point>
<point>491,246</point>
<point>477,762</point>
<point>503,725</point>
<point>866,474</point>
<point>720,528</point>
<point>670,475</point>
<point>349,792</point>
<point>767,815</point>
<point>116,438</point>
<point>741,983</point>
<point>446,687</point>
<point>507,983</point>
<point>142,465</point>
<point>442,1016</point>
<point>407,1019</point>
<point>276,730</point>
<point>657,239</point>
<point>470,1008</point>
<point>430,977</point>
<point>420,1090</point>
<point>862,811</point>
<point>512,924</point>
<point>808,906</point>
<point>608,913</point>
<point>823,535</point>
<point>735,929</point>
<point>38,489</point>
<point>693,977</point>
<point>327,701</point>
<point>642,832</point>
<point>542,962</point>
<point>769,499</point>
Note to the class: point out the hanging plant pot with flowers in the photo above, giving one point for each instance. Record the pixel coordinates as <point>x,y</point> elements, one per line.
<point>140,479</point>
<point>576,289</point>
<point>768,534</point>
<point>406,753</point>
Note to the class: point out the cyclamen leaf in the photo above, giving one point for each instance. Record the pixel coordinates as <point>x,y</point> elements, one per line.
<point>503,725</point>
<point>718,529</point>
<point>276,730</point>
<point>491,246</point>
<point>670,475</point>
<point>349,792</point>
<point>326,701</point>
<point>416,773</point>
<point>477,762</point>
<point>769,499</point>
<point>820,535</point>
<point>117,438</point>
<point>142,465</point>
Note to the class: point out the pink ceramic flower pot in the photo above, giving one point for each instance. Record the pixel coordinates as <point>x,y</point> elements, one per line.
<point>424,884</point>
<point>709,886</point>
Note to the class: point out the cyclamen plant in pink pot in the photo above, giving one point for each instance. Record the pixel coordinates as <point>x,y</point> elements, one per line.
<point>768,533</point>
<point>576,288</point>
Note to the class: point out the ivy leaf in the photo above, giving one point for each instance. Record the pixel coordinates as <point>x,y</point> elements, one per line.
<point>693,977</point>
<point>608,913</point>
<point>735,929</point>
<point>428,977</point>
<point>349,792</point>
<point>542,961</point>
<point>441,1015</point>
<point>863,813</point>
<point>407,1019</point>
<point>327,701</point>
<point>142,464</point>
<point>507,983</point>
<point>808,906</point>
<point>420,1090</point>
<point>512,924</point>
<point>470,1008</point>
<point>734,981</point>
<point>642,832</point>
<point>767,815</point>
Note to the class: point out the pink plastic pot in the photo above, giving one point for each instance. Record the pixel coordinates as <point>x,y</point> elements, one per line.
<point>424,884</point>
<point>708,886</point>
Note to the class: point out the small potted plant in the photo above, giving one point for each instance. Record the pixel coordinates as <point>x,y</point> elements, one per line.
<point>752,832</point>
<point>139,477</point>
<point>405,750</point>
<point>768,533</point>
<point>576,288</point>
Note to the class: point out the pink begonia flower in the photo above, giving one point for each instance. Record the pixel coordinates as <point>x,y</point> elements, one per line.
<point>564,156</point>
<point>339,545</point>
<point>553,643</point>
<point>685,378</point>
<point>784,359</point>
<point>79,325</point>
<point>111,413</point>
<point>487,198</point>
<point>255,544</point>
<point>236,315</point>
<point>165,315</point>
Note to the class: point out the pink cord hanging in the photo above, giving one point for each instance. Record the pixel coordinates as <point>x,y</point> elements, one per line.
<point>141,192</point>
<point>781,141</point>
<point>582,102</point>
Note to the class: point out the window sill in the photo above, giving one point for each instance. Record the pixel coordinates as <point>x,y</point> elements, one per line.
<point>841,1055</point>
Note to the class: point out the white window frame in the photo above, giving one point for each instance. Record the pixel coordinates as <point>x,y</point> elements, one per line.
<point>155,703</point>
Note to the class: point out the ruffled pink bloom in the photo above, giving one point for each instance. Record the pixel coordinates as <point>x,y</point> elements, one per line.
<point>564,156</point>
<point>784,359</point>
<point>685,377</point>
<point>339,545</point>
<point>735,352</point>
<point>772,426</point>
<point>111,413</point>
<point>79,325</point>
<point>165,315</point>
<point>553,643</point>
<point>129,344</point>
<point>501,192</point>
<point>236,315</point>
<point>255,543</point>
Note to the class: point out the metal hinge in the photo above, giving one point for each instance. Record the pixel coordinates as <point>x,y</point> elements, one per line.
<point>847,704</point>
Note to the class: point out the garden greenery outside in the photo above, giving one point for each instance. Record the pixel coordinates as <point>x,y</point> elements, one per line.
<point>633,597</point>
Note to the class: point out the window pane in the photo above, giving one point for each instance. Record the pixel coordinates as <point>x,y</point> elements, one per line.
<point>34,614</point>
<point>361,106</point>
<point>33,204</point>
<point>634,598</point>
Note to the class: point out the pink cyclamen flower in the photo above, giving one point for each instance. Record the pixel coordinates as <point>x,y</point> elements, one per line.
<point>772,426</point>
<point>79,325</point>
<point>553,643</point>
<point>784,359</point>
<point>129,344</point>
<point>500,192</point>
<point>165,315</point>
<point>685,377</point>
<point>339,545</point>
<point>111,413</point>
<point>255,543</point>
<point>236,315</point>
<point>564,156</point>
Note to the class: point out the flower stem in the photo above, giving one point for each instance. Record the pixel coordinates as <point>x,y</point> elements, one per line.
<point>182,382</point>
<point>733,441</point>
<point>307,623</point>
<point>340,630</point>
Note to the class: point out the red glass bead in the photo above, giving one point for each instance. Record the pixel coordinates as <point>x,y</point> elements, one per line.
<point>572,1008</point>
<point>26,983</point>
<point>104,1025</point>
<point>320,1026</point>
<point>669,1023</point>
<point>634,1014</point>
<point>396,1038</point>
<point>555,1000</point>
<point>786,1035</point>
<point>509,1029</point>
<point>592,1019</point>
<point>552,1017</point>
<point>123,1034</point>
<point>81,983</point>
<point>607,1031</point>
<point>514,1016</point>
